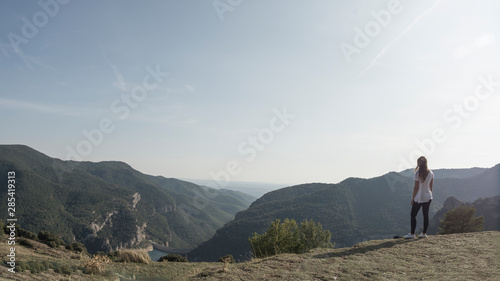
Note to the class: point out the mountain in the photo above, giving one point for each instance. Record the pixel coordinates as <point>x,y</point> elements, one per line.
<point>354,210</point>
<point>449,173</point>
<point>109,205</point>
<point>489,208</point>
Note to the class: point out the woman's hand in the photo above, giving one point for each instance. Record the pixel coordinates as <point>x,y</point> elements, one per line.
<point>412,201</point>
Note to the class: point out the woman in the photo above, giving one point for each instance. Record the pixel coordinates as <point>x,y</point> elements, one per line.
<point>422,196</point>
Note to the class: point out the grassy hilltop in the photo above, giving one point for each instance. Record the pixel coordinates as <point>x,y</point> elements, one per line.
<point>469,256</point>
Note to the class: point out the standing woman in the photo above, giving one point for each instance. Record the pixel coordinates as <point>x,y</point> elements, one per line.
<point>422,196</point>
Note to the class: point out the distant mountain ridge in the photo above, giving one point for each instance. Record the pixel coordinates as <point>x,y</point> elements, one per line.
<point>109,205</point>
<point>450,173</point>
<point>354,210</point>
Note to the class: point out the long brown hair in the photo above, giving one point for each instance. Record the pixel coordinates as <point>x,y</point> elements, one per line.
<point>422,168</point>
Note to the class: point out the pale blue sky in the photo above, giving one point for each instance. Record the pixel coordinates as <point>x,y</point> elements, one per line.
<point>229,72</point>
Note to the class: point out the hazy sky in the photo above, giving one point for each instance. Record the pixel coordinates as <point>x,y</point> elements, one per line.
<point>254,90</point>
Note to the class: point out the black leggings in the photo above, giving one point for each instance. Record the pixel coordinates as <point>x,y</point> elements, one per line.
<point>414,211</point>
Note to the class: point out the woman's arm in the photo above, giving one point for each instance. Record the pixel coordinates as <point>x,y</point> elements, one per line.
<point>415,189</point>
<point>432,184</point>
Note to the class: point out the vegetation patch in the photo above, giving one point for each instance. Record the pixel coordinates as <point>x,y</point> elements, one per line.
<point>131,255</point>
<point>173,258</point>
<point>461,220</point>
<point>289,237</point>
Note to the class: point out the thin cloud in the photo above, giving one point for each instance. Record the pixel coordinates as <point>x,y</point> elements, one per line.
<point>189,87</point>
<point>382,52</point>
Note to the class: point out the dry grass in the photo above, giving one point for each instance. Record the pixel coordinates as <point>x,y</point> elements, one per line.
<point>471,256</point>
<point>96,265</point>
<point>137,256</point>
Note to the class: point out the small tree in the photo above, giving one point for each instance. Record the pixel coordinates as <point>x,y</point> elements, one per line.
<point>279,238</point>
<point>312,236</point>
<point>288,237</point>
<point>461,220</point>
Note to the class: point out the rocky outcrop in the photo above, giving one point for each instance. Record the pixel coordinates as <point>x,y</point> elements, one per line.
<point>137,198</point>
<point>94,243</point>
<point>107,220</point>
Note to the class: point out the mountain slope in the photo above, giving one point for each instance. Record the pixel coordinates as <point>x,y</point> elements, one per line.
<point>109,205</point>
<point>354,210</point>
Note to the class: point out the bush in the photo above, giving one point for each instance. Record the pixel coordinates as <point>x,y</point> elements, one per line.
<point>64,269</point>
<point>77,247</point>
<point>288,237</point>
<point>39,266</point>
<point>22,266</point>
<point>25,242</point>
<point>313,236</point>
<point>50,239</point>
<point>33,266</point>
<point>52,244</point>
<point>461,220</point>
<point>25,233</point>
<point>173,258</point>
<point>227,259</point>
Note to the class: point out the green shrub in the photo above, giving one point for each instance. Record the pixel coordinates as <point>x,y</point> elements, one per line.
<point>227,259</point>
<point>64,269</point>
<point>77,247</point>
<point>39,266</point>
<point>25,242</point>
<point>173,258</point>
<point>22,266</point>
<point>25,233</point>
<point>52,244</point>
<point>461,220</point>
<point>312,235</point>
<point>50,239</point>
<point>288,237</point>
<point>33,266</point>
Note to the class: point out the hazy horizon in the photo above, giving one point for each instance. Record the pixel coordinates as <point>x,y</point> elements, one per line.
<point>283,92</point>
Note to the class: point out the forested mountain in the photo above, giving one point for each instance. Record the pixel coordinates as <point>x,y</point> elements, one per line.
<point>354,210</point>
<point>109,205</point>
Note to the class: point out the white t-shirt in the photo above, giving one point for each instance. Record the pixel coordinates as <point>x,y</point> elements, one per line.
<point>424,193</point>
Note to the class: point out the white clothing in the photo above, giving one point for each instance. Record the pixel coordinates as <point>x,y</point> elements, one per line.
<point>424,193</point>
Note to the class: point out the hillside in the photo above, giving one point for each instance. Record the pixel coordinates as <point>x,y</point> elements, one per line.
<point>469,256</point>
<point>354,210</point>
<point>109,205</point>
